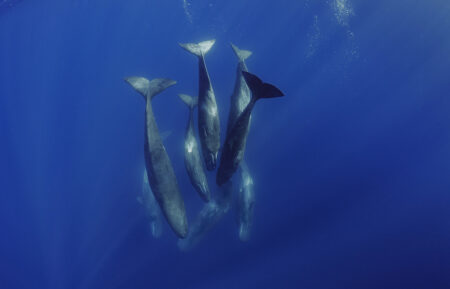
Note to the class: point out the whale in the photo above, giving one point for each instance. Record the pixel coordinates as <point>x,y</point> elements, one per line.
<point>192,158</point>
<point>160,173</point>
<point>241,93</point>
<point>208,114</point>
<point>245,203</point>
<point>208,217</point>
<point>152,210</point>
<point>235,141</point>
<point>239,100</point>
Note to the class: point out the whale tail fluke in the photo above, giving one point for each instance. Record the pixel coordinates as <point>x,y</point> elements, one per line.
<point>190,101</point>
<point>149,88</point>
<point>260,89</point>
<point>240,53</point>
<point>198,49</point>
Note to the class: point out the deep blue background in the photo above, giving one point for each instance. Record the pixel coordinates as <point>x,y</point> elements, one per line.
<point>351,167</point>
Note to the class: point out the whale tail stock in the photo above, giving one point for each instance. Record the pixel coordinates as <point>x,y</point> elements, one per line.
<point>240,53</point>
<point>198,49</point>
<point>190,101</point>
<point>149,88</point>
<point>260,89</point>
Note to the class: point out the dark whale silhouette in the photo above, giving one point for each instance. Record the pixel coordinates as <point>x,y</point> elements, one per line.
<point>235,141</point>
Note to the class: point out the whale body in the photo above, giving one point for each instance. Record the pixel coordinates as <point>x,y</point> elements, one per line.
<point>245,203</point>
<point>235,141</point>
<point>241,94</point>
<point>192,158</point>
<point>161,175</point>
<point>208,113</point>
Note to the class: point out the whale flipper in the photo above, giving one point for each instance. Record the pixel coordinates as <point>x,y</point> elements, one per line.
<point>190,101</point>
<point>198,49</point>
<point>240,53</point>
<point>149,88</point>
<point>260,89</point>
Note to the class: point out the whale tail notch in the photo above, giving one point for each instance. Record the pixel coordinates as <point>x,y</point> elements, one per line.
<point>260,89</point>
<point>190,101</point>
<point>149,88</point>
<point>240,53</point>
<point>198,49</point>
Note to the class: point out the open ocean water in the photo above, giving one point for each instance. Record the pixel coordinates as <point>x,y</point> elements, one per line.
<point>351,168</point>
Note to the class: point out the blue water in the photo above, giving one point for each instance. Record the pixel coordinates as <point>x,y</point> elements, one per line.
<point>351,167</point>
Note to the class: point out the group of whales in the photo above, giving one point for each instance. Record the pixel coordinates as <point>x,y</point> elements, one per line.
<point>160,184</point>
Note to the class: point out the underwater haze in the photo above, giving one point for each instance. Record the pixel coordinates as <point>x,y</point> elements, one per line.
<point>351,168</point>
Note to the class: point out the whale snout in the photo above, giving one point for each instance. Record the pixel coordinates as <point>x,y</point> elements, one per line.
<point>181,228</point>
